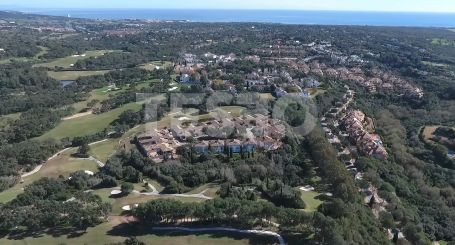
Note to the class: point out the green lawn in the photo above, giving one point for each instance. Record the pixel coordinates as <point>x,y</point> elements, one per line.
<point>133,198</point>
<point>67,61</point>
<point>222,112</point>
<point>43,51</point>
<point>62,165</point>
<point>155,183</point>
<point>93,95</point>
<point>87,125</point>
<point>6,119</point>
<point>79,106</point>
<point>152,65</point>
<point>309,197</point>
<point>428,63</point>
<point>315,91</point>
<point>192,114</point>
<point>104,94</point>
<point>443,42</point>
<point>210,189</point>
<point>74,75</point>
<point>65,165</point>
<point>105,234</point>
<point>145,84</point>
<point>232,110</point>
<point>102,151</point>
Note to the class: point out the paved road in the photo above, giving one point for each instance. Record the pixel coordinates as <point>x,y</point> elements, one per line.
<point>97,142</point>
<point>38,168</point>
<point>211,229</point>
<point>100,163</point>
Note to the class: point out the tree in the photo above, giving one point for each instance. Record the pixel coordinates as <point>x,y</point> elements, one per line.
<point>295,114</point>
<point>83,151</point>
<point>130,118</point>
<point>131,174</point>
<point>133,241</point>
<point>126,188</point>
<point>386,220</point>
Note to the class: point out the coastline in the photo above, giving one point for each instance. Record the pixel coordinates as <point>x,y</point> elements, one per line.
<point>293,17</point>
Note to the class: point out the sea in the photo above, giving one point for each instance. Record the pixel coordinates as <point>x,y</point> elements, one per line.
<point>446,20</point>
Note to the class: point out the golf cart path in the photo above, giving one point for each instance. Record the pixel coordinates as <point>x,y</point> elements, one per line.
<point>38,168</point>
<point>256,232</point>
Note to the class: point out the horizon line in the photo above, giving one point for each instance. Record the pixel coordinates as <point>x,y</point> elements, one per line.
<point>22,9</point>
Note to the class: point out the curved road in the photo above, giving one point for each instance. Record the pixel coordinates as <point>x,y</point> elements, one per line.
<point>38,168</point>
<point>256,232</point>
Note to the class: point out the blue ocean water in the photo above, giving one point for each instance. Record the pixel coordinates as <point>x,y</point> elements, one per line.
<point>267,16</point>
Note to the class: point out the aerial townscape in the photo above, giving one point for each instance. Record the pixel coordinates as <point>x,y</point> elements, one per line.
<point>240,135</point>
<point>134,131</point>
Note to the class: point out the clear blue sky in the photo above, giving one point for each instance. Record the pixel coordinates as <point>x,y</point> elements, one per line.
<point>359,5</point>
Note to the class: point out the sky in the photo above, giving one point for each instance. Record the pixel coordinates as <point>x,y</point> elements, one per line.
<point>341,5</point>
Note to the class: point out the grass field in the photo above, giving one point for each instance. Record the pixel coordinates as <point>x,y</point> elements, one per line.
<point>62,165</point>
<point>315,91</point>
<point>210,189</point>
<point>66,62</point>
<point>57,36</point>
<point>9,60</point>
<point>74,75</point>
<point>102,151</point>
<point>222,112</point>
<point>113,232</point>
<point>443,42</point>
<point>434,64</point>
<point>79,106</point>
<point>193,114</point>
<point>154,64</point>
<point>232,110</point>
<point>309,197</point>
<point>134,198</point>
<point>6,119</point>
<point>43,51</point>
<point>93,95</point>
<point>155,183</point>
<point>65,165</point>
<point>104,94</point>
<point>89,124</point>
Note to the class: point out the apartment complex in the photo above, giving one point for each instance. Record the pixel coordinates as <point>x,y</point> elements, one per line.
<point>244,134</point>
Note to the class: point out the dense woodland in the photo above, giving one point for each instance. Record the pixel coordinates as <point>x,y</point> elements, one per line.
<point>418,180</point>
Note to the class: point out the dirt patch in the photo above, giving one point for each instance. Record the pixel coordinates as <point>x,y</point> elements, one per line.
<point>83,114</point>
<point>117,220</point>
<point>428,132</point>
